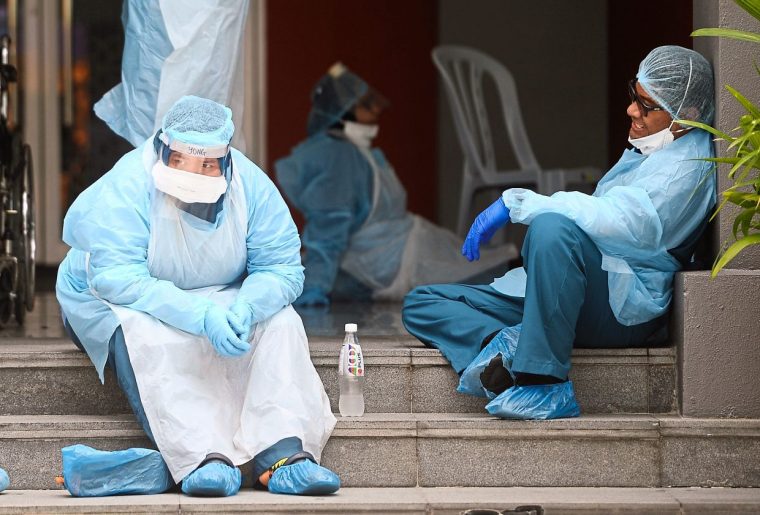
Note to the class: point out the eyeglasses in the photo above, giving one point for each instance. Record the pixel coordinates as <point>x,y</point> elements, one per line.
<point>643,106</point>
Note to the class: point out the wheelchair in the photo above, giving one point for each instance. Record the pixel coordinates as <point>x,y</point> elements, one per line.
<point>17,244</point>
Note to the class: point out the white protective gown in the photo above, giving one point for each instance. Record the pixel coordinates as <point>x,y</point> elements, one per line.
<point>197,402</point>
<point>428,253</point>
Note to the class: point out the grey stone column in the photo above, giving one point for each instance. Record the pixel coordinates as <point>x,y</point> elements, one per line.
<point>733,62</point>
<point>717,322</point>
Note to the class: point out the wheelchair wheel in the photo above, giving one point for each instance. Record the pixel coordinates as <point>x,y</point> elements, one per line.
<point>6,304</point>
<point>26,234</point>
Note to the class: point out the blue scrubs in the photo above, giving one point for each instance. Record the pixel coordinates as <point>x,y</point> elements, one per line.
<point>566,304</point>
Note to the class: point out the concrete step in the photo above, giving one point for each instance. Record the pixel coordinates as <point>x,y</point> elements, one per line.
<point>456,450</point>
<point>422,501</point>
<point>49,376</point>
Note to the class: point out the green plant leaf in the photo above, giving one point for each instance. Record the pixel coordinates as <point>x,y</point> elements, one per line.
<point>743,221</point>
<point>732,251</point>
<point>751,6</point>
<point>744,160</point>
<point>749,106</point>
<point>726,160</point>
<point>712,130</point>
<point>742,35</point>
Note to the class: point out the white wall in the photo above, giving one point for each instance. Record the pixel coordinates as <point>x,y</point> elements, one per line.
<point>557,52</point>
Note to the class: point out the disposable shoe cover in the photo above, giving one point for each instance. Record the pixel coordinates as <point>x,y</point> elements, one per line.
<point>214,479</point>
<point>504,343</point>
<point>88,472</point>
<point>5,481</point>
<point>304,478</point>
<point>539,402</point>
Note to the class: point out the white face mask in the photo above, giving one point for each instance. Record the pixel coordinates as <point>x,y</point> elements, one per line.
<point>653,142</point>
<point>187,186</point>
<point>360,134</point>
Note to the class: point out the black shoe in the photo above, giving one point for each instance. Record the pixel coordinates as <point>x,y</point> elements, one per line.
<point>495,378</point>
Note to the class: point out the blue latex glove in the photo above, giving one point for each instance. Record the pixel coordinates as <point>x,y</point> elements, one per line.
<point>243,321</point>
<point>483,228</point>
<point>89,472</point>
<point>303,478</point>
<point>220,325</point>
<point>214,479</point>
<point>5,481</point>
<point>312,297</point>
<point>537,402</point>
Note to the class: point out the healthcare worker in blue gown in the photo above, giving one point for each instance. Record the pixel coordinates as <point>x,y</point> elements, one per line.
<point>361,242</point>
<point>184,261</point>
<point>598,269</point>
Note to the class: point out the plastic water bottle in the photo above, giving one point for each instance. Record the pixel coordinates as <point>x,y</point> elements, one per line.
<point>351,375</point>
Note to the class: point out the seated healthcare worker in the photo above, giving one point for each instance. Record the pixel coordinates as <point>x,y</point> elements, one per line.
<point>598,269</point>
<point>183,266</point>
<point>360,240</point>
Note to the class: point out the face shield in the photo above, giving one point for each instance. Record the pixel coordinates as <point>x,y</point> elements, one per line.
<point>195,175</point>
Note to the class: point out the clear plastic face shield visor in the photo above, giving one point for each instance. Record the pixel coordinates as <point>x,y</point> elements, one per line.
<point>205,160</point>
<point>194,174</point>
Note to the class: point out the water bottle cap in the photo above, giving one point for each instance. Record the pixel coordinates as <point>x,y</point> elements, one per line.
<point>351,328</point>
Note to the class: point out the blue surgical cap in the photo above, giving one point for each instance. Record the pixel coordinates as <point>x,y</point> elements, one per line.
<point>198,121</point>
<point>681,81</point>
<point>333,96</point>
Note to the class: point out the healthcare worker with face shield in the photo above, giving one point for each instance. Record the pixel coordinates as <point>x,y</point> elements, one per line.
<point>361,242</point>
<point>183,266</point>
<point>598,269</point>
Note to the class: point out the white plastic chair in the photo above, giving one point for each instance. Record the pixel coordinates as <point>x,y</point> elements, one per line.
<point>463,71</point>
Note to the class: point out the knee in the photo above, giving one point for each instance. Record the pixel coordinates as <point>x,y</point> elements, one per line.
<point>549,231</point>
<point>286,318</point>
<point>417,296</point>
<point>417,303</point>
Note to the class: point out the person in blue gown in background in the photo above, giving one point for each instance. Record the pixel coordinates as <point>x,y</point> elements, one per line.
<point>361,242</point>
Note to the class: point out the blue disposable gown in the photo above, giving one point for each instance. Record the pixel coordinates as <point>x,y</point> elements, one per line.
<point>108,227</point>
<point>330,182</point>
<point>643,207</point>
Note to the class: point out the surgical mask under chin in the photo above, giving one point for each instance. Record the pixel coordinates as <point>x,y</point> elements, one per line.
<point>653,142</point>
<point>360,134</point>
<point>187,186</point>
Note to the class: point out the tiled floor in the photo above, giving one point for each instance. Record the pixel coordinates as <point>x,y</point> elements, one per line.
<point>382,319</point>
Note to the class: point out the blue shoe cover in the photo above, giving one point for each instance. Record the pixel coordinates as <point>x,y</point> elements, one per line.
<point>214,479</point>
<point>505,343</point>
<point>539,402</point>
<point>304,478</point>
<point>5,481</point>
<point>88,472</point>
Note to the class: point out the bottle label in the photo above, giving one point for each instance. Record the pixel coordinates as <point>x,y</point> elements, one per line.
<point>351,360</point>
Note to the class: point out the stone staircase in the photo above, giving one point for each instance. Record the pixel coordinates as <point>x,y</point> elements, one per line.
<point>418,436</point>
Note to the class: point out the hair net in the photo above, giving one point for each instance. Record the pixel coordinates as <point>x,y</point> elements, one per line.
<point>334,94</point>
<point>198,121</point>
<point>681,81</point>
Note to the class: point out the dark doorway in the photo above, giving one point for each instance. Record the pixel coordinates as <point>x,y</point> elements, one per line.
<point>634,29</point>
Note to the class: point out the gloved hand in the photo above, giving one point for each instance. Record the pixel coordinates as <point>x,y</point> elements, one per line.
<point>312,297</point>
<point>218,327</point>
<point>244,319</point>
<point>483,228</point>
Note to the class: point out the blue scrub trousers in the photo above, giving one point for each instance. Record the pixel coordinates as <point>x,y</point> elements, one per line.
<point>118,362</point>
<point>566,304</point>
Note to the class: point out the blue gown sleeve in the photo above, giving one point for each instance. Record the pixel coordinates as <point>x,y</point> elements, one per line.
<point>110,221</point>
<point>622,219</point>
<point>275,275</point>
